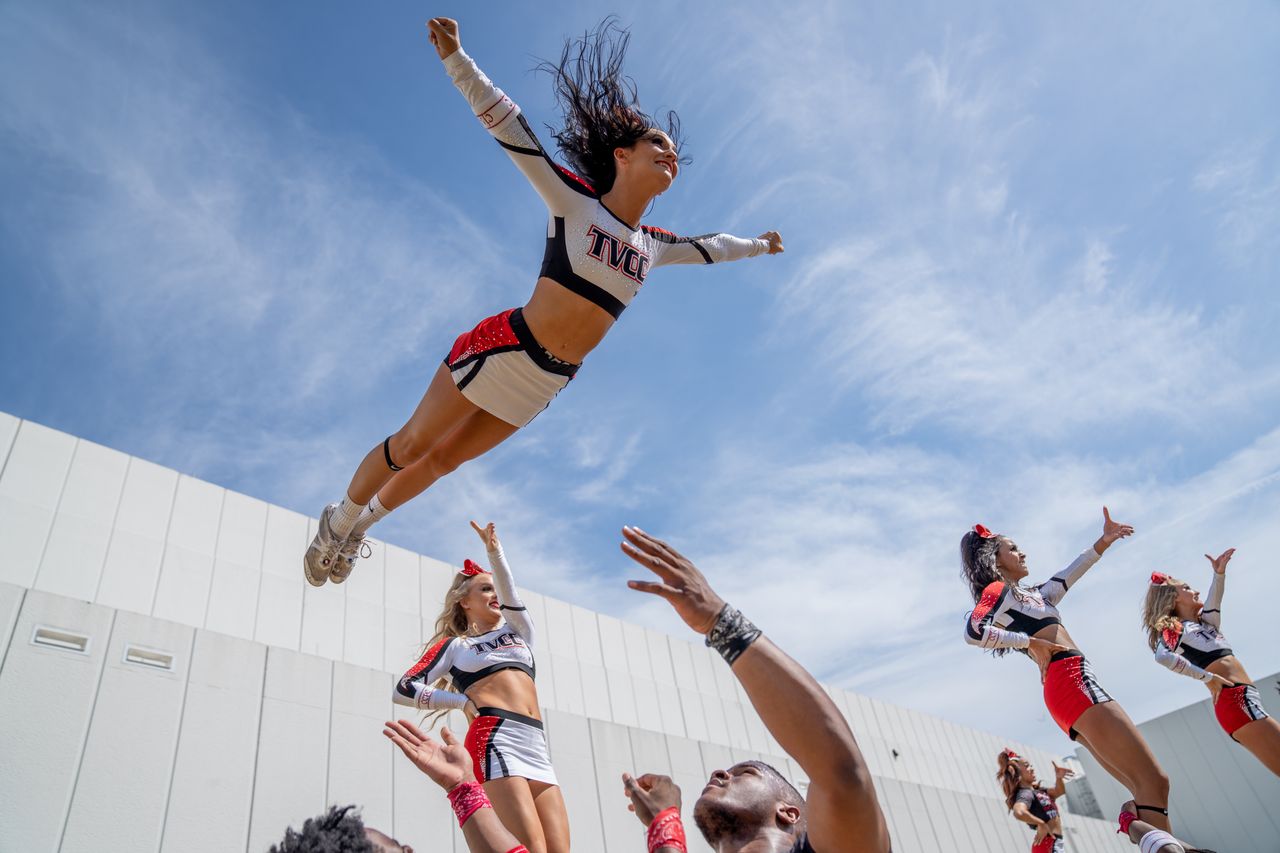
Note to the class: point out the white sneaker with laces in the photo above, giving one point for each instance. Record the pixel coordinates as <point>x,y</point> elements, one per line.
<point>351,550</point>
<point>321,556</point>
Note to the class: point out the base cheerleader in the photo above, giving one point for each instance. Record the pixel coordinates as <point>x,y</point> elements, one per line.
<point>483,650</point>
<point>1031,802</point>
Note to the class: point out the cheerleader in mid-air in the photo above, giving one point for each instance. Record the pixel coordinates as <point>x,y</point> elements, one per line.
<point>501,374</point>
<point>1008,615</point>
<point>1031,802</point>
<point>1186,636</point>
<point>483,649</point>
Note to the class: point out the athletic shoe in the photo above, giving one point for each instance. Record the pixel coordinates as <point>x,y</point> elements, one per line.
<point>351,550</point>
<point>321,556</point>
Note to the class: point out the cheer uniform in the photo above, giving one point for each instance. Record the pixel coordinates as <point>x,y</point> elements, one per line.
<point>1188,648</point>
<point>501,743</point>
<point>1044,807</point>
<point>499,365</point>
<point>1007,616</point>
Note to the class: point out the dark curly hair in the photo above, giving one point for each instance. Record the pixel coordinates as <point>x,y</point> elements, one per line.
<point>599,104</point>
<point>978,556</point>
<point>340,830</point>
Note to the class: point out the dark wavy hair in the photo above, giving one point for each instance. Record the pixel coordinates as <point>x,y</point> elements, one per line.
<point>978,556</point>
<point>599,104</point>
<point>339,830</point>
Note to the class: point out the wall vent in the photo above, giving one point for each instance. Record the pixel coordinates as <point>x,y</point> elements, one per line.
<point>60,638</point>
<point>152,658</point>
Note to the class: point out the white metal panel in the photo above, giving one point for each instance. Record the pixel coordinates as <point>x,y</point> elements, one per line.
<point>569,738</point>
<point>187,570</point>
<point>212,789</point>
<point>293,740</point>
<point>8,429</point>
<point>695,717</point>
<point>586,636</point>
<point>242,531</point>
<point>568,684</point>
<point>10,604</point>
<point>422,816</point>
<point>735,721</point>
<point>46,698</point>
<point>233,591</point>
<point>364,638</point>
<point>401,586</point>
<point>368,581</point>
<point>135,730</point>
<point>537,611</point>
<point>29,489</point>
<point>611,751</point>
<point>359,763</point>
<point>285,541</point>
<point>636,643</point>
<point>611,643</point>
<point>404,644</point>
<point>713,712</point>
<point>688,771</point>
<point>595,690</point>
<point>280,609</point>
<point>77,546</point>
<point>649,754</point>
<point>660,657</point>
<point>434,578</point>
<point>132,566</point>
<point>622,699</point>
<point>644,693</point>
<point>324,615</point>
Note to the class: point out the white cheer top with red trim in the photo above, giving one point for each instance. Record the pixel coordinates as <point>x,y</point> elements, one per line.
<point>1190,646</point>
<point>466,660</point>
<point>589,250</point>
<point>1007,616</point>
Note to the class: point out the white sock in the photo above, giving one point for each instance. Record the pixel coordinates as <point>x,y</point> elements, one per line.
<point>344,517</point>
<point>1159,840</point>
<point>370,516</point>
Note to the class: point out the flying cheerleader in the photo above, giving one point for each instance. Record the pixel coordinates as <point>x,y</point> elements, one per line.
<point>1009,615</point>
<point>497,377</point>
<point>480,662</point>
<point>1187,638</point>
<point>1031,802</point>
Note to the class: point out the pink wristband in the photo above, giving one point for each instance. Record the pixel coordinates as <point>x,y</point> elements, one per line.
<point>1126,818</point>
<point>666,831</point>
<point>467,798</point>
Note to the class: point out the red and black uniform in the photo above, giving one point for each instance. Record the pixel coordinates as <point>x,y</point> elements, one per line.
<point>499,365</point>
<point>1008,615</point>
<point>1188,648</point>
<point>1044,807</point>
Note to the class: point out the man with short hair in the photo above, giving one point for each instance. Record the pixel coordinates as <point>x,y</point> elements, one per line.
<point>751,807</point>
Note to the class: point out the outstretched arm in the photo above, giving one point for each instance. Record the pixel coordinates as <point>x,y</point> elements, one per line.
<point>1212,612</point>
<point>843,813</point>
<point>414,688</point>
<point>1056,587</point>
<point>449,765</point>
<point>513,609</point>
<point>711,248</point>
<point>1061,774</point>
<point>559,188</point>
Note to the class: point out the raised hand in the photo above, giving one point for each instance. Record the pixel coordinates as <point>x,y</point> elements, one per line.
<point>444,35</point>
<point>1061,773</point>
<point>1113,530</point>
<point>681,584</point>
<point>774,239</point>
<point>446,763</point>
<point>488,535</point>
<point>650,795</point>
<point>1219,563</point>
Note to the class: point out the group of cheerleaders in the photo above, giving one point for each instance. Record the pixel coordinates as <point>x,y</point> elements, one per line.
<point>497,377</point>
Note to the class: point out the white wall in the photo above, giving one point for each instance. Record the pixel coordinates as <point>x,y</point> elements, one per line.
<point>271,705</point>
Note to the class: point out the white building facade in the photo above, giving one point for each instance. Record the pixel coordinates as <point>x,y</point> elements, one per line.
<point>168,681</point>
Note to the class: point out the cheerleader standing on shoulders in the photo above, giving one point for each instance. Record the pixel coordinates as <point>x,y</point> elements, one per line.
<point>501,374</point>
<point>1031,802</point>
<point>489,664</point>
<point>1010,615</point>
<point>1187,639</point>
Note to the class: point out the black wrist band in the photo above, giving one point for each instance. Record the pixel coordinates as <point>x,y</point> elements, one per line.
<point>731,634</point>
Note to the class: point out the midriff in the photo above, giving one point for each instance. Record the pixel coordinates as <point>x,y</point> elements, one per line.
<point>508,689</point>
<point>1231,669</point>
<point>565,324</point>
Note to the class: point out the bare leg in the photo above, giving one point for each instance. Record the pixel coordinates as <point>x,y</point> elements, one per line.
<point>1139,828</point>
<point>1116,772</point>
<point>552,814</point>
<point>1262,738</point>
<point>475,435</point>
<point>513,802</point>
<point>1110,732</point>
<point>441,409</point>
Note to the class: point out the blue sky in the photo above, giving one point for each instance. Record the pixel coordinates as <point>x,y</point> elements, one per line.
<point>1031,263</point>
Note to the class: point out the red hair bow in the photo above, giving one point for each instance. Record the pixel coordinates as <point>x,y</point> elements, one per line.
<point>470,568</point>
<point>1010,753</point>
<point>983,532</point>
<point>1159,577</point>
